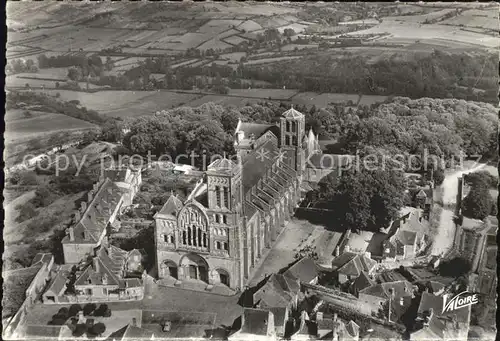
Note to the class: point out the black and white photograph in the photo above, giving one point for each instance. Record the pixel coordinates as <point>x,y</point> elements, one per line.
<point>251,170</point>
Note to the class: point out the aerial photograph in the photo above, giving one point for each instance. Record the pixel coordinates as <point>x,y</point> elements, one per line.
<point>251,170</point>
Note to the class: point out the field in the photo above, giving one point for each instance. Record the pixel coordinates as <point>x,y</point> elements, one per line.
<point>413,32</point>
<point>42,124</point>
<point>322,100</point>
<point>150,104</point>
<point>475,18</point>
<point>270,60</point>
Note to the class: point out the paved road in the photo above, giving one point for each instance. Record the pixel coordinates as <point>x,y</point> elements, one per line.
<point>443,241</point>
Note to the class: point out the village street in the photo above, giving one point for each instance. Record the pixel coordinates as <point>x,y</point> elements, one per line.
<point>443,240</point>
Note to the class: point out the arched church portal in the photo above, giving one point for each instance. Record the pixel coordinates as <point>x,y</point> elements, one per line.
<point>195,267</point>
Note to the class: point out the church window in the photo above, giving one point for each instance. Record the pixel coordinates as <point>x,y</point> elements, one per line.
<point>287,140</point>
<point>226,197</point>
<point>217,195</point>
<point>294,126</point>
<point>226,247</point>
<point>287,126</point>
<point>224,219</point>
<point>166,238</point>
<point>294,140</point>
<point>184,237</point>
<point>217,218</point>
<point>217,245</point>
<point>204,240</point>
<point>194,236</point>
<point>199,237</point>
<point>189,236</point>
<point>172,239</point>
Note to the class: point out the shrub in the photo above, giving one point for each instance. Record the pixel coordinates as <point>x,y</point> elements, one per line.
<point>26,211</point>
<point>80,329</point>
<point>63,312</point>
<point>89,308</point>
<point>74,309</point>
<point>28,179</point>
<point>97,329</point>
<point>103,311</point>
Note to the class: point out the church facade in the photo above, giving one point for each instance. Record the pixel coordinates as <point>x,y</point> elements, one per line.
<point>237,210</point>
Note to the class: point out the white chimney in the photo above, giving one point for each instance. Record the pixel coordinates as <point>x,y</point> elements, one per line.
<point>241,135</point>
<point>77,217</point>
<point>319,316</point>
<point>347,248</point>
<point>368,254</point>
<point>96,264</point>
<point>71,233</point>
<point>337,251</point>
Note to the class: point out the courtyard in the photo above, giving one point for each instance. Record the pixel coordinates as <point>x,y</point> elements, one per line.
<point>296,235</point>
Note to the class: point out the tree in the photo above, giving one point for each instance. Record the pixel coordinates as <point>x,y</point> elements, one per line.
<point>97,329</point>
<point>74,74</point>
<point>111,131</point>
<point>89,308</point>
<point>63,312</point>
<point>26,211</point>
<point>368,199</point>
<point>80,329</point>
<point>455,267</point>
<point>28,179</point>
<point>438,176</point>
<point>478,203</point>
<point>481,178</point>
<point>103,310</point>
<point>74,309</point>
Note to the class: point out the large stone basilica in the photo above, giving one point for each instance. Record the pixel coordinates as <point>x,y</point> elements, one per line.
<point>238,209</point>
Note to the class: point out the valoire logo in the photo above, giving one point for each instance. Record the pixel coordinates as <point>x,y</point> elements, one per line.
<point>461,300</point>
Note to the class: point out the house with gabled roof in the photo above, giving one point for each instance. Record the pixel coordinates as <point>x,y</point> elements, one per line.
<point>105,278</point>
<point>256,324</point>
<point>92,220</point>
<point>349,266</point>
<point>305,270</point>
<point>278,291</point>
<point>127,179</point>
<point>433,324</point>
<point>405,237</point>
<point>378,295</point>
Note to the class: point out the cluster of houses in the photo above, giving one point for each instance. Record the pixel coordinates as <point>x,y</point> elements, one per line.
<point>301,303</point>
